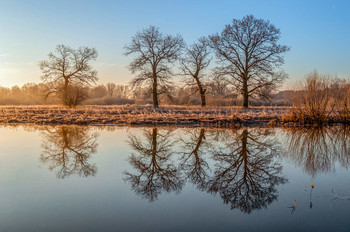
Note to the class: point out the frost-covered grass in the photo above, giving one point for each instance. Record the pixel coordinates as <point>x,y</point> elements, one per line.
<point>142,115</point>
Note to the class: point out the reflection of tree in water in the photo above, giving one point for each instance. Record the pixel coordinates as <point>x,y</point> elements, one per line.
<point>156,172</point>
<point>317,149</point>
<point>192,161</point>
<point>246,175</point>
<point>67,149</point>
<point>342,141</point>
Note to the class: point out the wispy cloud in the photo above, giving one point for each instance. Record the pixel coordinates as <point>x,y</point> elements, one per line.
<point>4,54</point>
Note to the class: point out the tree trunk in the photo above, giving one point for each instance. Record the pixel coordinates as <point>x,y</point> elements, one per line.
<point>245,93</point>
<point>65,92</point>
<point>201,91</point>
<point>65,87</point>
<point>155,93</point>
<point>203,98</point>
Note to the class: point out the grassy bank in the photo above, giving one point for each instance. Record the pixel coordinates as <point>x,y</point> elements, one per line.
<point>143,115</point>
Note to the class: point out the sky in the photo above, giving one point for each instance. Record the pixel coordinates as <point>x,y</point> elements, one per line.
<point>317,31</point>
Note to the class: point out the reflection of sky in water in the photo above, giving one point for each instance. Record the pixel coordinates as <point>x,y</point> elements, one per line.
<point>190,184</point>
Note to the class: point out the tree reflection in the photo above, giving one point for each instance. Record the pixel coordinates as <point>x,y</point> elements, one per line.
<point>156,172</point>
<point>317,149</point>
<point>342,145</point>
<point>246,174</point>
<point>68,149</point>
<point>192,161</point>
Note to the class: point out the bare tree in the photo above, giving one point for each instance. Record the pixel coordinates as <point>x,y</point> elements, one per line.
<point>111,88</point>
<point>66,67</point>
<point>248,51</point>
<point>155,52</point>
<point>219,86</point>
<point>122,91</point>
<point>195,60</point>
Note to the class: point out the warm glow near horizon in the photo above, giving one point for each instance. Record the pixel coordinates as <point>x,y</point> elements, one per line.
<point>316,31</point>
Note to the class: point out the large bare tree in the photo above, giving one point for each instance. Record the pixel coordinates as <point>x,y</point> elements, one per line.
<point>195,60</point>
<point>67,68</point>
<point>155,52</point>
<point>248,51</point>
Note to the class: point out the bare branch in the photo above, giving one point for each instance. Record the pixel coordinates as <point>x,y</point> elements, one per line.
<point>155,53</point>
<point>248,52</point>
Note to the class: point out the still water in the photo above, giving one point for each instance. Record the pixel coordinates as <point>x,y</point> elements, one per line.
<point>76,178</point>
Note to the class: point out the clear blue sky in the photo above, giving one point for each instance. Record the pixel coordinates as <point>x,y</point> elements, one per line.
<point>317,31</point>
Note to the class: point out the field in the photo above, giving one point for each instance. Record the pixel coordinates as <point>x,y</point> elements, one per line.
<point>143,115</point>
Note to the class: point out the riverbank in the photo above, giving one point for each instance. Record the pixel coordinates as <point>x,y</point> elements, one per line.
<point>143,115</point>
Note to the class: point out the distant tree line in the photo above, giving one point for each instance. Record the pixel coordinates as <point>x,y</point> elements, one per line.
<point>218,93</point>
<point>36,94</point>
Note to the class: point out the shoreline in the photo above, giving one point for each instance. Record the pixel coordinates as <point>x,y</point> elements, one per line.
<point>182,116</point>
<point>141,116</point>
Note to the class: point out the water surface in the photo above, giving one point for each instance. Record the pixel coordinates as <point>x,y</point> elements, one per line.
<point>78,178</point>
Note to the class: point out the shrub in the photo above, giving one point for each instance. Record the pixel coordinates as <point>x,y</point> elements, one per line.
<point>74,95</point>
<point>342,102</point>
<point>314,101</point>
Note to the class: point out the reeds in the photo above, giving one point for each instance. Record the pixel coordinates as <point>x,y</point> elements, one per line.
<point>342,104</point>
<point>320,100</point>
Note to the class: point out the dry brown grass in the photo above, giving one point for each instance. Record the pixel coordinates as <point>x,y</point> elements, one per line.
<point>313,102</point>
<point>320,100</point>
<point>142,115</point>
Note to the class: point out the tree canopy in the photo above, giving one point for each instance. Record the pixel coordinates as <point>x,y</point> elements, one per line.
<point>68,68</point>
<point>154,54</point>
<point>248,51</point>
